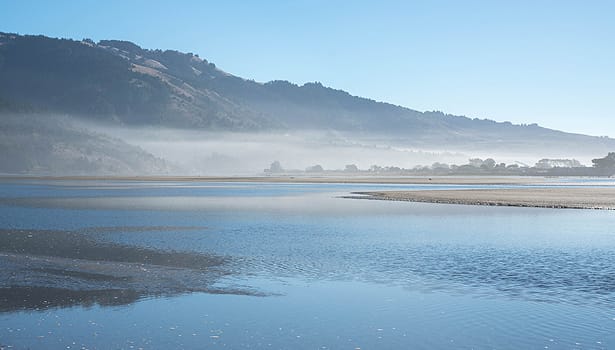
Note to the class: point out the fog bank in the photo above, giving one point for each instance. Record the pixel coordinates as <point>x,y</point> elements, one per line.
<point>60,145</point>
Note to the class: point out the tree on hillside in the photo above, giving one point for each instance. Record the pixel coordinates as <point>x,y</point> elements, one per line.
<point>606,162</point>
<point>314,169</point>
<point>351,168</point>
<point>275,167</point>
<point>438,165</point>
<point>488,163</point>
<point>475,162</point>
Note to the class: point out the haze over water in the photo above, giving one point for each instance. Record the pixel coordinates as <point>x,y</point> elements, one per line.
<point>276,266</point>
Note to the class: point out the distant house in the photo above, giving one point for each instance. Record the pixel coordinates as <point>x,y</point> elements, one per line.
<point>558,163</point>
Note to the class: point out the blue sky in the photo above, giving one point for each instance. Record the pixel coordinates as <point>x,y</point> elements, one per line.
<point>549,62</point>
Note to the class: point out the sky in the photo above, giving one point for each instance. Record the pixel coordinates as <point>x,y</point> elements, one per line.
<point>538,61</point>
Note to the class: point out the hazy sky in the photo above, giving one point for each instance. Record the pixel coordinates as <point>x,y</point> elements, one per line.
<point>550,62</point>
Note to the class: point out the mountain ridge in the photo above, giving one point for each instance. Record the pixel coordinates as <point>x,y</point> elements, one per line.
<point>121,84</point>
<point>185,77</point>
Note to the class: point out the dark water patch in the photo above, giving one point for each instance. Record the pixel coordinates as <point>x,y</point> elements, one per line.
<point>128,229</point>
<point>82,275</point>
<point>43,298</point>
<point>68,244</point>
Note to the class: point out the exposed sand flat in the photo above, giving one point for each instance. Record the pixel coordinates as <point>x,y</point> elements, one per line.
<point>40,269</point>
<point>553,197</point>
<point>452,180</point>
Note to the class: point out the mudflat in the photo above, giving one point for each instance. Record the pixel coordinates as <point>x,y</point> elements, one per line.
<point>552,197</point>
<point>42,269</point>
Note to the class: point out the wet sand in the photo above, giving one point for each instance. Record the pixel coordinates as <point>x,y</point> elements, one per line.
<point>41,269</point>
<point>553,197</point>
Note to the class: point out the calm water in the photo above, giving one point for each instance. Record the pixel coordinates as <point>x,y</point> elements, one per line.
<point>295,266</point>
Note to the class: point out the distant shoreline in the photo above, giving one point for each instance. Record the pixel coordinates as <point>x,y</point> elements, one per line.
<point>552,197</point>
<point>443,180</point>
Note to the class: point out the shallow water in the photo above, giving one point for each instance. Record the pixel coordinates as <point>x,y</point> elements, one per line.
<point>300,267</point>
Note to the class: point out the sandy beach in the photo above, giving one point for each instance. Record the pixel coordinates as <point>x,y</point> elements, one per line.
<point>554,197</point>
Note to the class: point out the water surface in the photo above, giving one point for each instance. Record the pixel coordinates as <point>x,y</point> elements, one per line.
<point>277,266</point>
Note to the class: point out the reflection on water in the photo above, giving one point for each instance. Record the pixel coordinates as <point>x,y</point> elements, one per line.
<point>341,272</point>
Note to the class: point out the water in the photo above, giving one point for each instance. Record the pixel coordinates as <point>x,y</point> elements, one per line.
<point>278,266</point>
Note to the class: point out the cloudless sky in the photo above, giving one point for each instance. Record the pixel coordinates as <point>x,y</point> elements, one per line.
<point>549,62</point>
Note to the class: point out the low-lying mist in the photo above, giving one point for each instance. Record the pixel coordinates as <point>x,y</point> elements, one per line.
<point>223,153</point>
<point>59,145</point>
<point>196,152</point>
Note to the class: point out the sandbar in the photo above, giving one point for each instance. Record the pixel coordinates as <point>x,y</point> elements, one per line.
<point>550,197</point>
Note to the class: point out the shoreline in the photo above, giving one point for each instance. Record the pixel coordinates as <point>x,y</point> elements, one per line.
<point>552,197</point>
<point>416,180</point>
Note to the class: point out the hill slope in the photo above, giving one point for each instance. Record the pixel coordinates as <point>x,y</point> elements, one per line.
<point>30,144</point>
<point>121,83</point>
